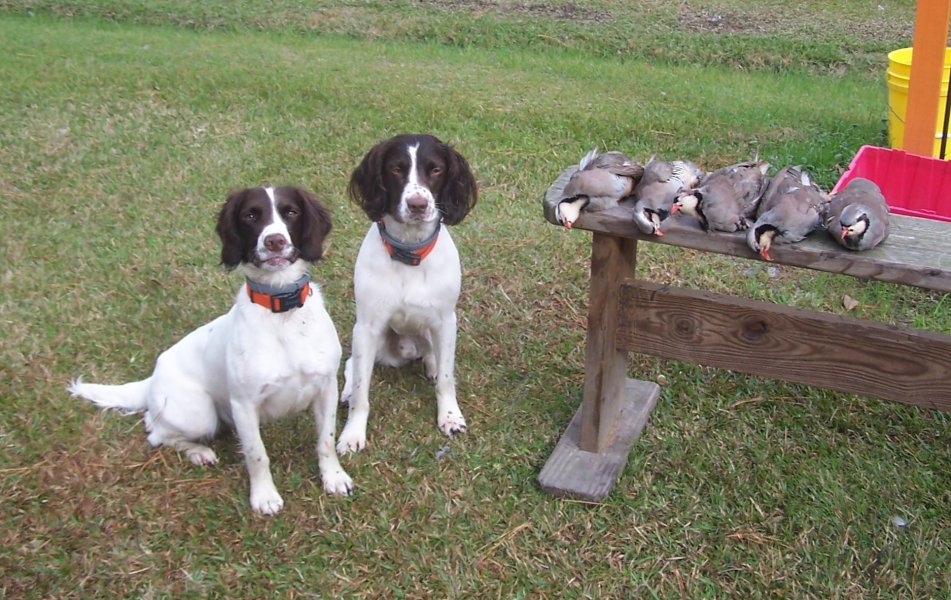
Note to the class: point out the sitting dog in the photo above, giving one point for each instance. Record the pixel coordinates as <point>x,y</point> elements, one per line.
<point>407,276</point>
<point>276,352</point>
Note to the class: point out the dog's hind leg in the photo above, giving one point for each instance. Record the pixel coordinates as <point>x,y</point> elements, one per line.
<point>397,350</point>
<point>183,425</point>
<point>429,358</point>
<point>198,454</point>
<point>347,392</point>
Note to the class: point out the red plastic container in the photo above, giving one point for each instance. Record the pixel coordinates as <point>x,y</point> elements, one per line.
<point>913,185</point>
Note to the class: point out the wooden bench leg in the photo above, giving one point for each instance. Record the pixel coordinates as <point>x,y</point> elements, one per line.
<point>604,365</point>
<point>614,409</point>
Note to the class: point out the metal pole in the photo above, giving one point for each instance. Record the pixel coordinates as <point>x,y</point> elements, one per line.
<point>924,85</point>
<point>947,113</point>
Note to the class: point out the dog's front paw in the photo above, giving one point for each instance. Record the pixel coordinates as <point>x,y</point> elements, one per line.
<point>338,482</point>
<point>352,439</point>
<point>452,423</point>
<point>266,500</point>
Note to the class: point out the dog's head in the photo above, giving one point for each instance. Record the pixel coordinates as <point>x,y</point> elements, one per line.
<point>414,178</point>
<point>272,227</point>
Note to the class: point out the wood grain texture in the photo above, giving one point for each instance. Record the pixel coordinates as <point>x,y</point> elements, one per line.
<point>917,252</point>
<point>612,260</point>
<point>571,471</point>
<point>830,351</point>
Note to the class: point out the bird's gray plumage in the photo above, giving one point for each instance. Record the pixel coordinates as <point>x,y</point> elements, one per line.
<point>599,183</point>
<point>657,190</point>
<point>858,215</point>
<point>792,207</point>
<point>726,199</point>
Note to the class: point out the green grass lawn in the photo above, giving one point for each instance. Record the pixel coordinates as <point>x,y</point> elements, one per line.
<point>123,126</point>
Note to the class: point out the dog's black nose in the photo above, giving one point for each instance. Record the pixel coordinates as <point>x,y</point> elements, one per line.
<point>275,242</point>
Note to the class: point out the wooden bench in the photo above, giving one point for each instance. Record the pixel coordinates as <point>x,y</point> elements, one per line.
<point>626,314</point>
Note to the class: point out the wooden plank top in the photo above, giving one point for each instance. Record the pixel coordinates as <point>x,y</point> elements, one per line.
<point>917,251</point>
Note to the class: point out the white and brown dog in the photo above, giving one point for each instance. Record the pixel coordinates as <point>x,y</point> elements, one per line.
<point>407,276</point>
<point>275,353</point>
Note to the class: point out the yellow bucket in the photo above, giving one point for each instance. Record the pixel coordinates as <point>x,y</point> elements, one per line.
<point>897,77</point>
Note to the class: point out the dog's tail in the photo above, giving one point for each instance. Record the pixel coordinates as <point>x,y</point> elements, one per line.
<point>128,397</point>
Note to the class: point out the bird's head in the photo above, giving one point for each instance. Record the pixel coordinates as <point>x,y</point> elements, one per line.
<point>687,203</point>
<point>854,222</point>
<point>569,209</point>
<point>760,239</point>
<point>764,238</point>
<point>656,217</point>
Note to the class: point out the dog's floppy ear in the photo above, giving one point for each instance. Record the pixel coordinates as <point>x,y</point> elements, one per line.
<point>227,228</point>
<point>316,225</point>
<point>366,182</point>
<point>460,193</point>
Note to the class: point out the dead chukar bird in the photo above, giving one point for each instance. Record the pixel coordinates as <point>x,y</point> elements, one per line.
<point>792,207</point>
<point>599,183</point>
<point>657,190</point>
<point>858,215</point>
<point>727,199</point>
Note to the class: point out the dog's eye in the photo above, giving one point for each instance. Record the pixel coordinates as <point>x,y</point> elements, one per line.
<point>251,216</point>
<point>396,170</point>
<point>435,172</point>
<point>290,213</point>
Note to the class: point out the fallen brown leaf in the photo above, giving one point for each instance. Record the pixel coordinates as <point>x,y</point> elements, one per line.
<point>849,302</point>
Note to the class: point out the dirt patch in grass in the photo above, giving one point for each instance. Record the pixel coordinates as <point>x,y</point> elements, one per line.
<point>698,20</point>
<point>565,12</point>
<point>875,23</point>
